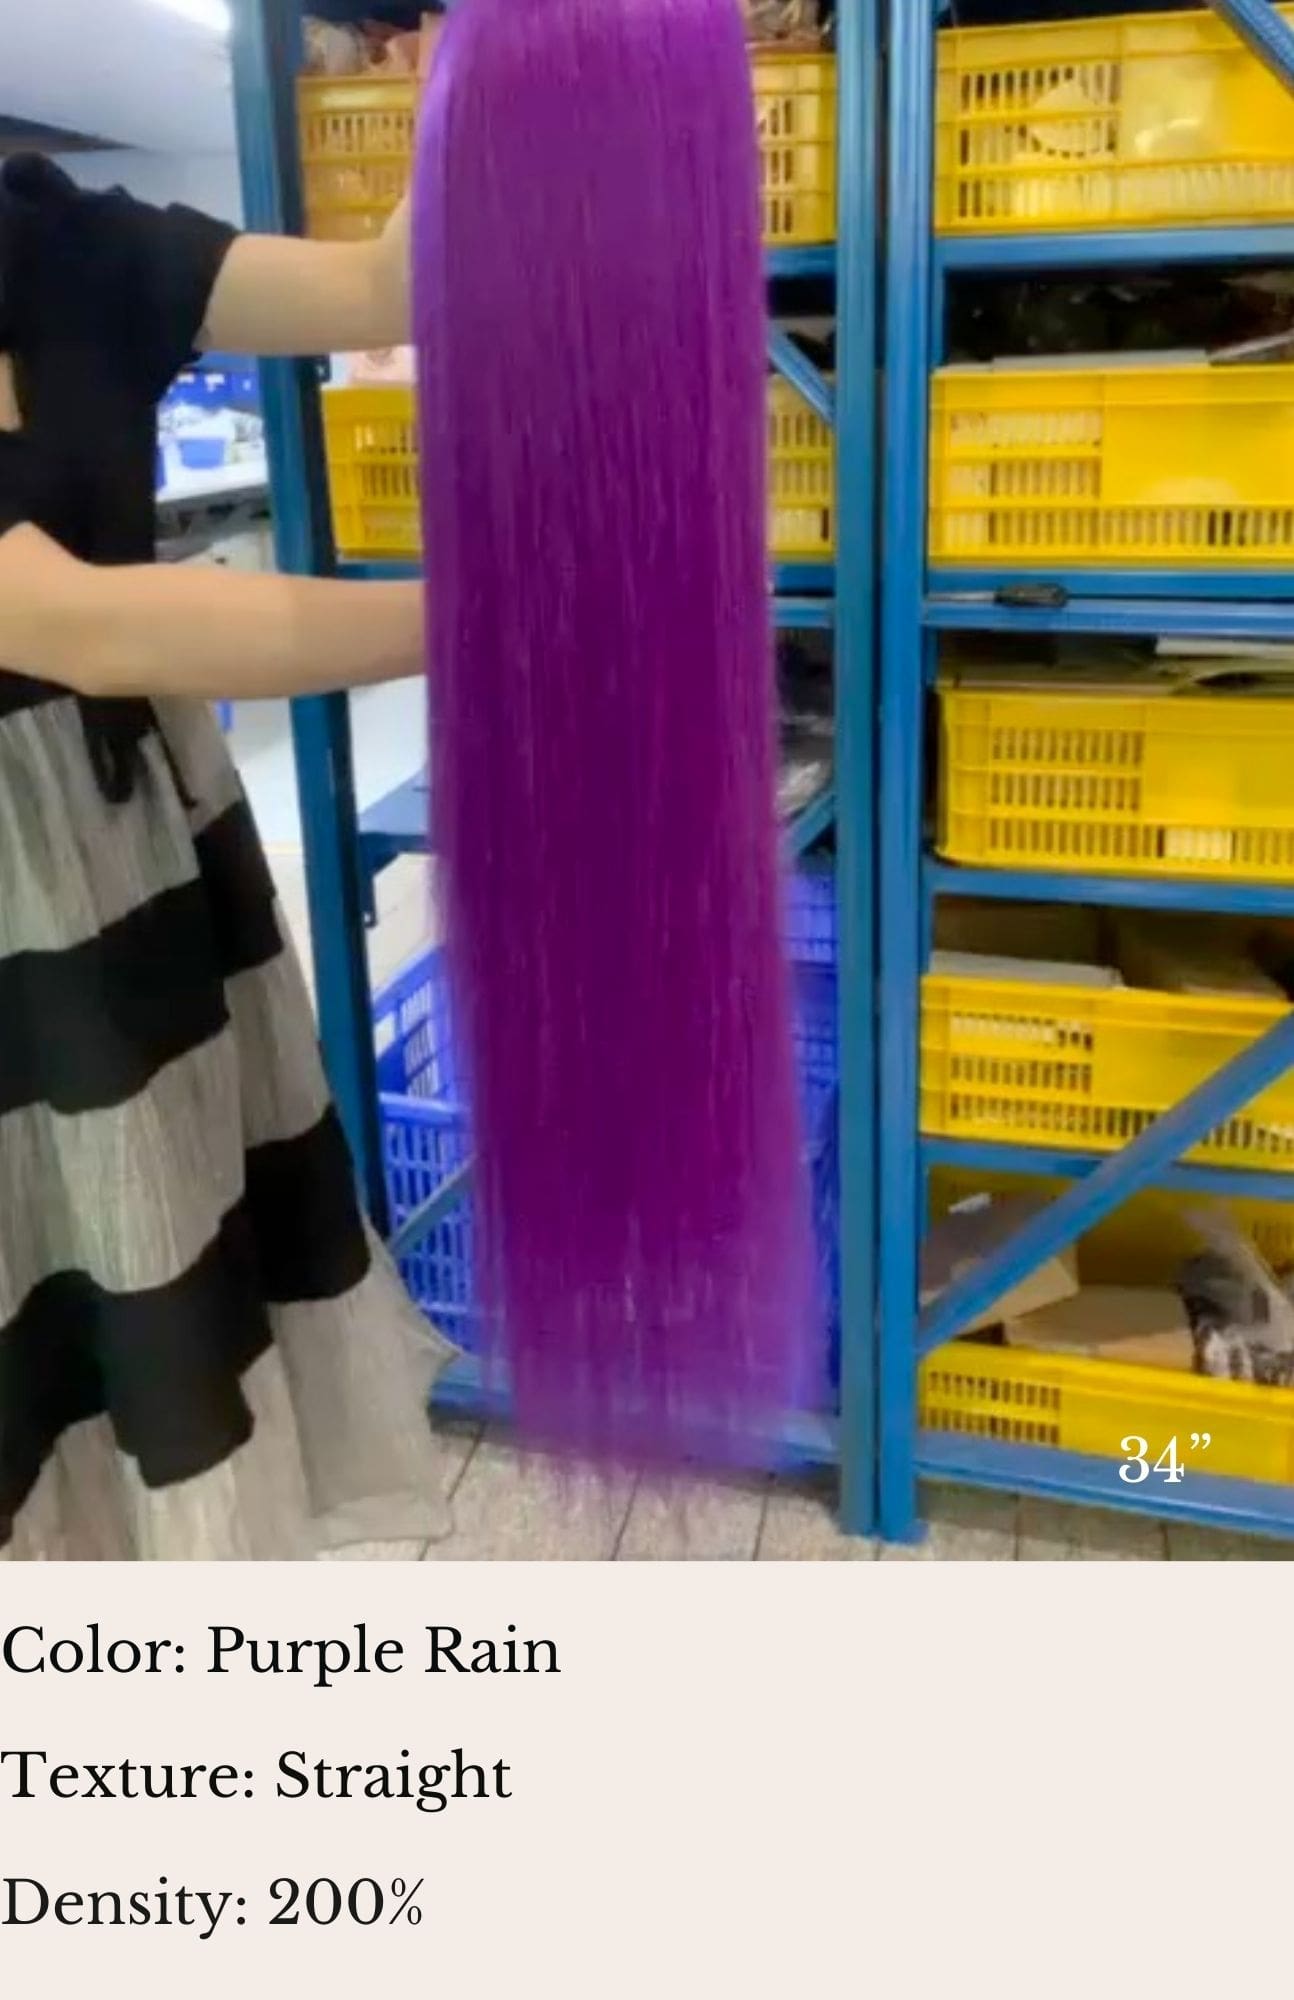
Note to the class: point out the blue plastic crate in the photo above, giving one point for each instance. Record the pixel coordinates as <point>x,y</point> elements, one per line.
<point>815,1041</point>
<point>425,1137</point>
<point>810,914</point>
<point>202,454</point>
<point>826,1221</point>
<point>425,1127</point>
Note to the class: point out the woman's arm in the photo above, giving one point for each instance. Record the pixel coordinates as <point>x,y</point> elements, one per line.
<point>283,295</point>
<point>212,633</point>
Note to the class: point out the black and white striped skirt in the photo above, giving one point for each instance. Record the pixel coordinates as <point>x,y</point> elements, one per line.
<point>203,1351</point>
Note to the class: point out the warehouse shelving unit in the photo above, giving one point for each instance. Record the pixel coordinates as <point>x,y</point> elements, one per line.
<point>919,603</point>
<point>344,852</point>
<point>266,59</point>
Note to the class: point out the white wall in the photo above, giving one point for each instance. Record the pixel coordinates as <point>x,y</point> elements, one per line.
<point>208,181</point>
<point>133,72</point>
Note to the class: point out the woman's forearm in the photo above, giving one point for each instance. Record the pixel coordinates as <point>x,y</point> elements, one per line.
<point>220,634</point>
<point>283,295</point>
<point>214,633</point>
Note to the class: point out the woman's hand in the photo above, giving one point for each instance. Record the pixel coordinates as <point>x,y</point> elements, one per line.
<point>286,295</point>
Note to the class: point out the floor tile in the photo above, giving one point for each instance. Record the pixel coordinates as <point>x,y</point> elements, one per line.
<point>458,1438</point>
<point>701,1523</point>
<point>962,1526</point>
<point>510,1508</point>
<point>800,1526</point>
<point>1189,1544</point>
<point>365,1552</point>
<point>1050,1532</point>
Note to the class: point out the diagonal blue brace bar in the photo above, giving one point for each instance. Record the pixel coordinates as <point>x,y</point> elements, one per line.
<point>802,375</point>
<point>1265,32</point>
<point>1088,1201</point>
<point>431,1212</point>
<point>809,825</point>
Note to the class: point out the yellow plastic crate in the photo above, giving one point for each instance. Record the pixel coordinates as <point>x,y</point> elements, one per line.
<point>1177,466</point>
<point>371,440</point>
<point>1091,1406</point>
<point>1147,1240</point>
<point>801,477</point>
<point>356,137</point>
<point>357,148</point>
<point>1185,785</point>
<point>1111,123</point>
<point>373,474</point>
<point>795,105</point>
<point>1090,1067</point>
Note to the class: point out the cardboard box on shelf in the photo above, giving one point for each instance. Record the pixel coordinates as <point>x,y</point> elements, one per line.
<point>792,24</point>
<point>1059,932</point>
<point>1168,951</point>
<point>1020,971</point>
<point>967,1234</point>
<point>1141,1324</point>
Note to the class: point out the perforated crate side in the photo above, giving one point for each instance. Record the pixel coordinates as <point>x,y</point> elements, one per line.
<point>357,138</point>
<point>1081,1405</point>
<point>1121,122</point>
<point>1148,785</point>
<point>1090,1068</point>
<point>1153,466</point>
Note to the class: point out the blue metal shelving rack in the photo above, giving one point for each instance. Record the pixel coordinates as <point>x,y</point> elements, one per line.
<point>918,603</point>
<point>266,62</point>
<point>344,851</point>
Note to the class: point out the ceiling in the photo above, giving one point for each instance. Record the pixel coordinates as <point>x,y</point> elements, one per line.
<point>138,76</point>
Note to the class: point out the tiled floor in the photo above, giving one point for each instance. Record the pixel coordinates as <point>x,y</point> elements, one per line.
<point>508,1508</point>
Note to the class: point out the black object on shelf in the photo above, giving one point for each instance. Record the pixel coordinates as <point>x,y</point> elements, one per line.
<point>1032,596</point>
<point>1013,13</point>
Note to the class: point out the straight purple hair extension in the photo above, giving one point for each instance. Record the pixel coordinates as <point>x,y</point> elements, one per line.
<point>590,327</point>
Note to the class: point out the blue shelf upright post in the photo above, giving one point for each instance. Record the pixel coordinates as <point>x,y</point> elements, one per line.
<point>906,354</point>
<point>858,34</point>
<point>266,60</point>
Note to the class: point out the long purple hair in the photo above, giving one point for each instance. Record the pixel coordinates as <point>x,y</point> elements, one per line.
<point>590,329</point>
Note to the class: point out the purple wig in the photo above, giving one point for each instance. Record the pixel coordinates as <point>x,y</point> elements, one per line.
<point>590,329</point>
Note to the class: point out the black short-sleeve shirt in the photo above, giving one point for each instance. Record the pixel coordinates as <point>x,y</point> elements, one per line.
<point>101,301</point>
